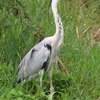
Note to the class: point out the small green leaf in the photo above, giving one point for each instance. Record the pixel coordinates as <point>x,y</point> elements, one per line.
<point>13,92</point>
<point>19,98</point>
<point>50,97</point>
<point>3,66</point>
<point>32,97</point>
<point>20,93</point>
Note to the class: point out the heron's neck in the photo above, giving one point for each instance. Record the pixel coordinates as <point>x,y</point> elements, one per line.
<point>59,27</point>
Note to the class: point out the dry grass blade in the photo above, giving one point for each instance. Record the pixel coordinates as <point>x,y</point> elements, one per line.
<point>62,65</point>
<point>96,33</point>
<point>85,30</point>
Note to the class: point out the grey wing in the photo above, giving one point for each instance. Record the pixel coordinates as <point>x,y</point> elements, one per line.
<point>35,60</point>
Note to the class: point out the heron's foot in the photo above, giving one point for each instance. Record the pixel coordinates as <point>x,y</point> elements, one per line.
<point>51,89</point>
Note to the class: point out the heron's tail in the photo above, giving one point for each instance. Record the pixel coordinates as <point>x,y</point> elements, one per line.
<point>18,80</point>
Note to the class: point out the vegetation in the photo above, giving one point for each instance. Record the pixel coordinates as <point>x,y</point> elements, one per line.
<point>22,25</point>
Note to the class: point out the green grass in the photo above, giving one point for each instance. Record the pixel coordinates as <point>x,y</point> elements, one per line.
<point>20,23</point>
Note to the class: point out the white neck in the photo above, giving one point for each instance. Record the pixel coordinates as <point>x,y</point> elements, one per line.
<point>59,27</point>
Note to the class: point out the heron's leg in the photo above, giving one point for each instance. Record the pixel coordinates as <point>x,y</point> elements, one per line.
<point>41,73</point>
<point>50,77</point>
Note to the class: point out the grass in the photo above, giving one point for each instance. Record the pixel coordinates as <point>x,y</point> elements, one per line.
<point>20,24</point>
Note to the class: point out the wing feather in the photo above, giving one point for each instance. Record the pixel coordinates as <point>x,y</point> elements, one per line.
<point>34,61</point>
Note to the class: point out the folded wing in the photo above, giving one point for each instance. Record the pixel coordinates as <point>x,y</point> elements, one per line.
<point>36,59</point>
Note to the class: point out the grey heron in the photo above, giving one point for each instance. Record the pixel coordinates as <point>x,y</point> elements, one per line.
<point>41,57</point>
